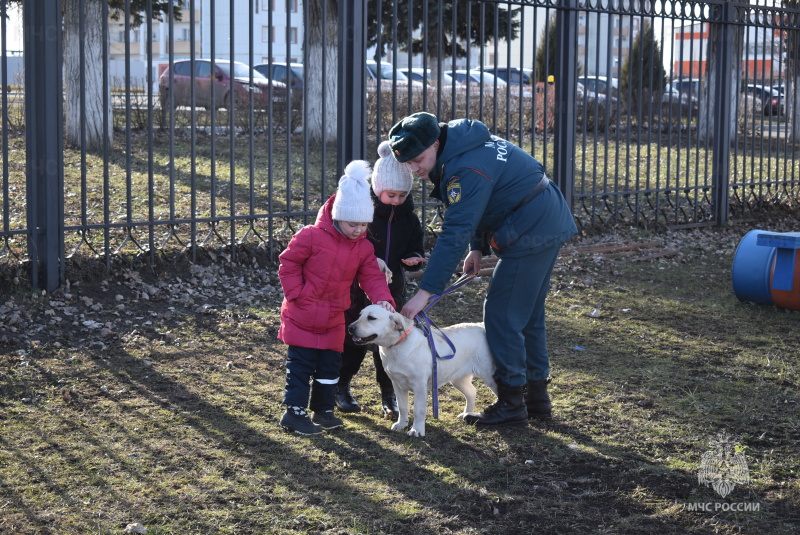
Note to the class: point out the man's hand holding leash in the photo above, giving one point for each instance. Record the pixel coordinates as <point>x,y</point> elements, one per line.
<point>416,304</point>
<point>472,263</point>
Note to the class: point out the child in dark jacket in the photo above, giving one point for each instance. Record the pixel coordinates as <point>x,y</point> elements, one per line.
<point>316,271</point>
<point>397,236</point>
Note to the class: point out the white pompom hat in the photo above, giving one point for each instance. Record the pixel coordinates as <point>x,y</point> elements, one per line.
<point>389,174</point>
<point>353,202</point>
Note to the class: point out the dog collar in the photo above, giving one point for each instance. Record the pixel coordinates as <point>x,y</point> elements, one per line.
<point>405,335</point>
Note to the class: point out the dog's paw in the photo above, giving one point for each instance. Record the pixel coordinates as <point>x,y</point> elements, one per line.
<point>414,433</point>
<point>397,426</point>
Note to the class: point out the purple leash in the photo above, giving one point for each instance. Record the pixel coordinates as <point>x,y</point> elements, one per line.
<point>388,237</point>
<point>427,325</point>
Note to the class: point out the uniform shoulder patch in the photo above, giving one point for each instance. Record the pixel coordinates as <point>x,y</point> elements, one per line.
<point>454,191</point>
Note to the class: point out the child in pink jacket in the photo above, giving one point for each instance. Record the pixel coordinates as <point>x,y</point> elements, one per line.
<point>316,271</point>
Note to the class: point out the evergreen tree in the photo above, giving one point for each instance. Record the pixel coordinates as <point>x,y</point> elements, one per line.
<point>643,77</point>
<point>546,52</point>
<point>447,31</point>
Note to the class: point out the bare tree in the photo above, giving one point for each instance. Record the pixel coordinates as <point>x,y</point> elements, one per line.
<point>792,95</point>
<point>84,50</point>
<point>85,45</point>
<point>321,70</point>
<point>705,122</point>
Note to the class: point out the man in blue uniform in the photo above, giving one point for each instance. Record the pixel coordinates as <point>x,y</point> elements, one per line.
<point>497,198</point>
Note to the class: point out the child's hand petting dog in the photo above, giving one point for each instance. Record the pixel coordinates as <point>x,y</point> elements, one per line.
<point>387,305</point>
<point>413,261</point>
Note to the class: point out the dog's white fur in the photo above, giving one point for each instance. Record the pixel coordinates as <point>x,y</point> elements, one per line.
<point>408,362</point>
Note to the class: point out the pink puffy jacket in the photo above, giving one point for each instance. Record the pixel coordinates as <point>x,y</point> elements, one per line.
<point>316,271</point>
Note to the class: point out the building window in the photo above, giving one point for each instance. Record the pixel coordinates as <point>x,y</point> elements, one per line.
<point>289,5</point>
<point>265,34</point>
<point>265,5</point>
<point>293,35</point>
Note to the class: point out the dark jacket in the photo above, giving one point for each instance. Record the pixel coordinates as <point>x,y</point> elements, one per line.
<point>400,227</point>
<point>481,179</point>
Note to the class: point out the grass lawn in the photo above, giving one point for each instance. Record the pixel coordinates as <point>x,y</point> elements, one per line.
<point>152,396</point>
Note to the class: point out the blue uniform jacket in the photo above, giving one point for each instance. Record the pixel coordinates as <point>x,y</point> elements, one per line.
<point>482,179</point>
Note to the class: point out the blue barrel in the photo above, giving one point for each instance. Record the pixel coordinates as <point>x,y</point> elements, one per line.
<point>752,266</point>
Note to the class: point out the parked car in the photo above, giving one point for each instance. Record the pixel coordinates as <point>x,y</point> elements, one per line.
<point>418,74</point>
<point>389,77</point>
<point>770,98</point>
<point>684,101</point>
<point>512,75</point>
<point>226,76</point>
<point>464,76</point>
<point>687,86</point>
<point>520,79</point>
<point>582,94</point>
<point>288,73</point>
<point>600,85</point>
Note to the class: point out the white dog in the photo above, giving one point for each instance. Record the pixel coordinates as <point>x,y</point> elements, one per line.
<point>407,360</point>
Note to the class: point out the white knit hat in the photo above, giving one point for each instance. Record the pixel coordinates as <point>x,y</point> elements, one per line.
<point>390,174</point>
<point>353,202</point>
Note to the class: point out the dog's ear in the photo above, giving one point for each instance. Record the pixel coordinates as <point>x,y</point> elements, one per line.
<point>397,320</point>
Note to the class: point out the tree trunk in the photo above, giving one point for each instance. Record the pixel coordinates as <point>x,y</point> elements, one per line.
<point>705,122</point>
<point>791,95</point>
<point>321,41</point>
<point>91,95</point>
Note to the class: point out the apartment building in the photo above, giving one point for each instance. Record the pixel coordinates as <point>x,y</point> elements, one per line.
<point>762,59</point>
<point>274,26</point>
<point>604,41</point>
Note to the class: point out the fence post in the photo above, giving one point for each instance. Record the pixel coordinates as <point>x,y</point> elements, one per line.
<point>352,89</point>
<point>566,95</point>
<point>723,96</point>
<point>44,128</point>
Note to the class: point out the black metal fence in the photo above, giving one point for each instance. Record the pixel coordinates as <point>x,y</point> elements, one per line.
<point>652,114</point>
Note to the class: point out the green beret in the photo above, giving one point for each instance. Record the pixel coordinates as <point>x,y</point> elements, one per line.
<point>412,135</point>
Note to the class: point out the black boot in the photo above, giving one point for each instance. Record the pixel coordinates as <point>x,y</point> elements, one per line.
<point>389,403</point>
<point>537,400</point>
<point>509,409</point>
<point>344,398</point>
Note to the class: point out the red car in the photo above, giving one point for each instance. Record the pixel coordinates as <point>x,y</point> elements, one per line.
<point>176,84</point>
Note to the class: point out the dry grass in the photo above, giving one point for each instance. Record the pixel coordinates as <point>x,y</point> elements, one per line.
<point>153,396</point>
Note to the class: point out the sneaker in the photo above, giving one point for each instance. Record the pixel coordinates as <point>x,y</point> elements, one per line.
<point>296,419</point>
<point>327,420</point>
